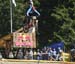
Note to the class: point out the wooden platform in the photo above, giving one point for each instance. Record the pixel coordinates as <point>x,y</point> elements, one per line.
<point>14,61</point>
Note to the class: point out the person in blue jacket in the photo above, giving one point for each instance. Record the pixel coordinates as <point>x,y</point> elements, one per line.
<point>32,10</point>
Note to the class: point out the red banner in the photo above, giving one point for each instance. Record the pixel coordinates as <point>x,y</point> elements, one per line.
<point>24,40</point>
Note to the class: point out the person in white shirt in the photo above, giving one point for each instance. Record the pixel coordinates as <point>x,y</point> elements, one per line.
<point>1,56</point>
<point>60,50</point>
<point>50,53</point>
<point>38,54</point>
<point>11,55</point>
<point>54,53</point>
<point>31,54</point>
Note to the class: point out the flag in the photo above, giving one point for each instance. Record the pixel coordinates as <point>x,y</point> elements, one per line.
<point>13,1</point>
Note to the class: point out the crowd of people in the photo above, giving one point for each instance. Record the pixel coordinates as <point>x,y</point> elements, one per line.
<point>45,53</point>
<point>49,54</point>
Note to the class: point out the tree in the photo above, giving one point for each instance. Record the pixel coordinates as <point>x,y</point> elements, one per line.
<point>57,21</point>
<point>18,15</point>
<point>4,16</point>
<point>65,14</point>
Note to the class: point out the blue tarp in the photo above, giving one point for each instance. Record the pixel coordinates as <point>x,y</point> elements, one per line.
<point>56,45</point>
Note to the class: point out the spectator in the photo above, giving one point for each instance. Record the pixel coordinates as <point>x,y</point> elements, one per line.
<point>45,48</point>
<point>54,53</point>
<point>44,54</point>
<point>49,54</point>
<point>1,56</point>
<point>15,54</point>
<point>31,54</point>
<point>20,54</point>
<point>60,58</point>
<point>72,54</point>
<point>35,55</point>
<point>26,55</point>
<point>11,55</point>
<point>39,56</point>
<point>60,50</point>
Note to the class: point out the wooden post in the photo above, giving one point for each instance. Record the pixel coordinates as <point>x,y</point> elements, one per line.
<point>34,34</point>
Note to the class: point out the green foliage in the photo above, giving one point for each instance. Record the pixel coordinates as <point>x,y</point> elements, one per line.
<point>65,13</point>
<point>4,17</point>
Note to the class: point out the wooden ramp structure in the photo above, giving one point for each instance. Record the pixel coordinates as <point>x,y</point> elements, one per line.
<point>4,40</point>
<point>10,39</point>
